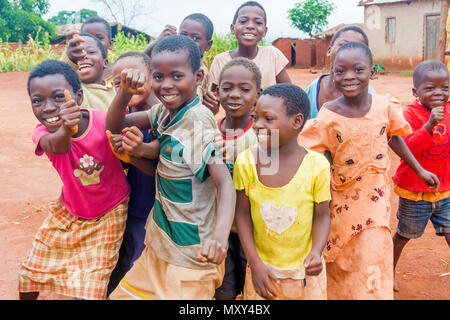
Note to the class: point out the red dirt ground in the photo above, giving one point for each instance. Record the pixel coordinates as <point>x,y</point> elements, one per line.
<point>29,183</point>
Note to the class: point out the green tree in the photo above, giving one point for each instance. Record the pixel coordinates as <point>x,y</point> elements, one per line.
<point>20,19</point>
<point>311,16</point>
<point>70,17</point>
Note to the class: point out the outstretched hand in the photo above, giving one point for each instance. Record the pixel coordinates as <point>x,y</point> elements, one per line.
<point>68,98</point>
<point>75,51</point>
<point>132,141</point>
<point>133,81</point>
<point>70,114</point>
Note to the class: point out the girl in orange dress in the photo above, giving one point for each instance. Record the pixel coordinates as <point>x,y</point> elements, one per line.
<point>354,132</point>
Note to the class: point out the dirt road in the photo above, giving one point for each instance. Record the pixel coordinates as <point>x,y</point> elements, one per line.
<point>29,183</point>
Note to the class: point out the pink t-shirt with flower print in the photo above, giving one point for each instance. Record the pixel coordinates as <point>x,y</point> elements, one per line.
<point>93,179</point>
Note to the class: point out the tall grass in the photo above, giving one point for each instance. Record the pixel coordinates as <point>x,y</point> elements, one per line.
<point>26,57</point>
<point>123,44</point>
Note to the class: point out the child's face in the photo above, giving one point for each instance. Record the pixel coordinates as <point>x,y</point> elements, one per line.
<point>347,36</point>
<point>433,89</point>
<point>137,101</point>
<point>271,119</point>
<point>238,92</point>
<point>197,32</point>
<point>47,96</point>
<point>250,27</point>
<point>90,68</point>
<point>173,81</point>
<point>352,71</point>
<point>98,30</point>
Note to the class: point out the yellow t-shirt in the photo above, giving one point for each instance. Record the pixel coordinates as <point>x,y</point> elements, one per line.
<point>98,96</point>
<point>283,217</point>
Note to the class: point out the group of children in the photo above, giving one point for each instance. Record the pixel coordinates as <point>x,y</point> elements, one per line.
<point>263,202</point>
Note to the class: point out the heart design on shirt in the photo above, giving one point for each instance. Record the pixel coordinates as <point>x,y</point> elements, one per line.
<point>278,219</point>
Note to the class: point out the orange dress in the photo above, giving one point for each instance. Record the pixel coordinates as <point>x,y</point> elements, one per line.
<point>360,197</point>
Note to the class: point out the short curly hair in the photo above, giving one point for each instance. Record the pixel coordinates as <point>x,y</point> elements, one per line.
<point>205,21</point>
<point>349,28</point>
<point>295,99</point>
<point>250,4</point>
<point>51,67</point>
<point>356,45</point>
<point>98,20</point>
<point>427,66</point>
<point>176,43</point>
<point>247,64</point>
<point>134,54</point>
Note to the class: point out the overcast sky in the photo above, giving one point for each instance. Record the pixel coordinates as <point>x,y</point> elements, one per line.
<point>158,13</point>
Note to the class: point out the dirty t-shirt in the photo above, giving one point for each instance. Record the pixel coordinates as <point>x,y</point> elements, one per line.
<point>93,179</point>
<point>184,214</point>
<point>283,217</point>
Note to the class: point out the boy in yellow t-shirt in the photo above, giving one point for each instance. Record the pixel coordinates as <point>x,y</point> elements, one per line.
<point>283,193</point>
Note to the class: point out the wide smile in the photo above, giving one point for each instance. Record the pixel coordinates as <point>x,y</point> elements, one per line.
<point>350,87</point>
<point>169,97</point>
<point>234,106</point>
<point>52,120</point>
<point>84,67</point>
<point>249,36</point>
<point>438,102</point>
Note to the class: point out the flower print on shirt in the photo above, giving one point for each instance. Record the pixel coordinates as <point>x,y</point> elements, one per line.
<point>88,171</point>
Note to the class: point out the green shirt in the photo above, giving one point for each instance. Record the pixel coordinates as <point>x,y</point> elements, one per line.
<point>184,213</point>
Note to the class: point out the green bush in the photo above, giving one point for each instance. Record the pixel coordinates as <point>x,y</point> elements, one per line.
<point>20,19</point>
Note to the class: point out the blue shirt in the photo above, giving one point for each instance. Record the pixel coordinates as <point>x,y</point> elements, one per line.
<point>313,94</point>
<point>143,189</point>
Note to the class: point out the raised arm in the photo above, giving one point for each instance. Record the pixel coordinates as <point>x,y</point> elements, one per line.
<point>132,82</point>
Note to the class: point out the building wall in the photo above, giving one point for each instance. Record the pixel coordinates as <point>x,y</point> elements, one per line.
<point>284,45</point>
<point>408,49</point>
<point>308,52</point>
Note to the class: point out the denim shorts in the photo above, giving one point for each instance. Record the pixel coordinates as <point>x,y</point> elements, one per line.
<point>413,217</point>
